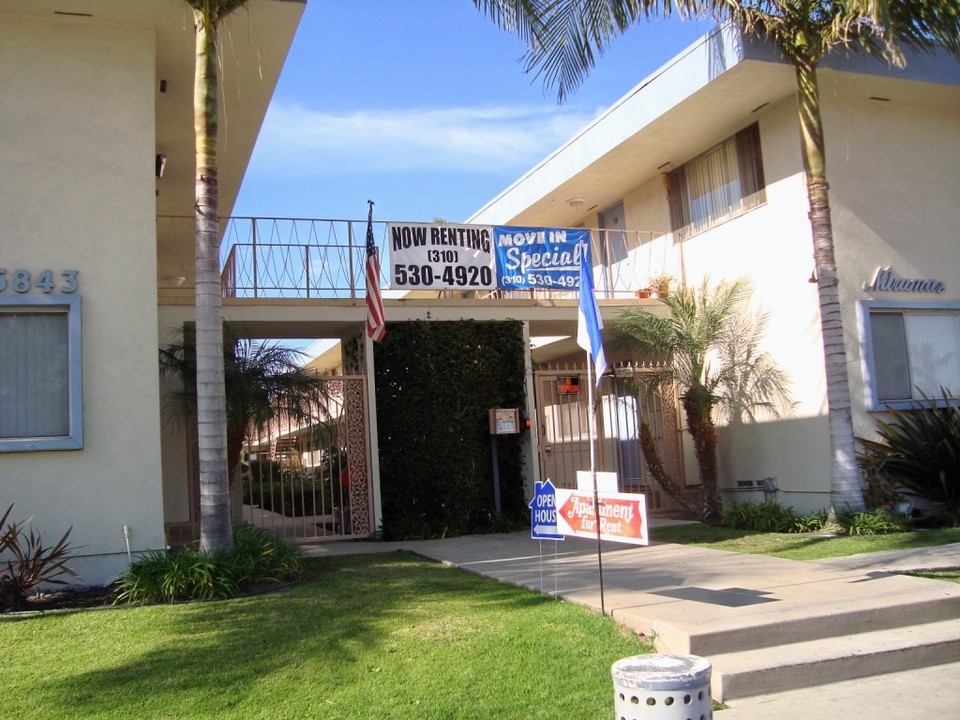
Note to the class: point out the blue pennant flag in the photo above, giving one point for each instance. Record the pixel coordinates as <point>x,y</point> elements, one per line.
<point>590,323</point>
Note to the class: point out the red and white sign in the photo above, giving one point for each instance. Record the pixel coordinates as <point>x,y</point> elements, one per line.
<point>623,516</point>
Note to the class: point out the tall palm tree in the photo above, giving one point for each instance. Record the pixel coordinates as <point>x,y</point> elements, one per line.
<point>215,528</point>
<point>565,36</point>
<point>688,339</point>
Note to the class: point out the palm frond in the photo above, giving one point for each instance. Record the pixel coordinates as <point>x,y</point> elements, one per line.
<point>566,37</point>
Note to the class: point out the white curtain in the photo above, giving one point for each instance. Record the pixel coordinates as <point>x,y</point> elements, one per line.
<point>713,182</point>
<point>933,342</point>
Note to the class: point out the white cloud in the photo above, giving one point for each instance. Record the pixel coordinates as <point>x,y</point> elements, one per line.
<point>300,142</point>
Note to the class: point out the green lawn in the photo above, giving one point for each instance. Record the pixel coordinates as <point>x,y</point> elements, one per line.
<point>950,575</point>
<point>375,636</point>
<point>799,546</point>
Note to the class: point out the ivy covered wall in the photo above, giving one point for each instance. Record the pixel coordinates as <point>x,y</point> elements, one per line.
<point>435,383</point>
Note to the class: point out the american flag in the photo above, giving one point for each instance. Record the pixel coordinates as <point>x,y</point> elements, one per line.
<point>376,323</point>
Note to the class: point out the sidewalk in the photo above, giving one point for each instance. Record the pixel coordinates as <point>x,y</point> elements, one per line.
<point>668,590</point>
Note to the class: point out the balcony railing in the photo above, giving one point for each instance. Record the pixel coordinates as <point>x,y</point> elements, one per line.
<point>316,258</point>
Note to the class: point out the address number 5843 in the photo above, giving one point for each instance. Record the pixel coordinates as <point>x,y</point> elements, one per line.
<point>21,281</point>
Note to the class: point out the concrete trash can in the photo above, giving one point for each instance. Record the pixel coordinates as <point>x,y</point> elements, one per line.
<point>651,687</point>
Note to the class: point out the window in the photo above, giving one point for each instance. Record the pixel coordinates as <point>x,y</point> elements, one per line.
<point>40,378</point>
<point>909,347</point>
<point>723,182</point>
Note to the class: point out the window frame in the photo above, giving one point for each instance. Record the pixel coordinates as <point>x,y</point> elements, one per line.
<point>70,305</point>
<point>748,150</point>
<point>867,351</point>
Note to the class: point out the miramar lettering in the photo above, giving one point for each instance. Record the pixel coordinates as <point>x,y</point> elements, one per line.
<point>887,280</point>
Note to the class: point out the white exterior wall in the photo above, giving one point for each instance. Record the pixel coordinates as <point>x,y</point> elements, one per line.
<point>770,246</point>
<point>895,195</point>
<point>894,179</point>
<point>77,191</point>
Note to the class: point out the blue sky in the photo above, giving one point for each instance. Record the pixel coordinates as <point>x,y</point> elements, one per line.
<point>423,107</point>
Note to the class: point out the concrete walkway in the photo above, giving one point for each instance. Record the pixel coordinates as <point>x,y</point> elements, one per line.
<point>707,599</point>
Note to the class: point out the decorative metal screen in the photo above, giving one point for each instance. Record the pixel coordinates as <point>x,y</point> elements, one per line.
<point>622,402</point>
<point>310,480</point>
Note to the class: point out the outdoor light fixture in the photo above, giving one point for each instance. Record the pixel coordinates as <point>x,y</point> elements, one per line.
<point>176,280</point>
<point>575,203</point>
<point>161,165</point>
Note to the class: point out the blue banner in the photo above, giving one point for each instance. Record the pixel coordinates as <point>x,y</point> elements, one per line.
<point>542,258</point>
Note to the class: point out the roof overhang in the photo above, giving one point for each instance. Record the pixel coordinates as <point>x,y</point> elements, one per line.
<point>254,42</point>
<point>713,88</point>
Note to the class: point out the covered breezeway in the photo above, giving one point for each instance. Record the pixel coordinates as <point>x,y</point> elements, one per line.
<point>336,489</point>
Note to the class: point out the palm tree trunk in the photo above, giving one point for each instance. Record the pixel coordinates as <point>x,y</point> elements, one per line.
<point>673,488</point>
<point>845,489</point>
<point>215,529</point>
<point>704,435</point>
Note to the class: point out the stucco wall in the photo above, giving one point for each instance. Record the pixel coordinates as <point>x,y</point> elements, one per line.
<point>893,176</point>
<point>77,191</point>
<point>894,180</point>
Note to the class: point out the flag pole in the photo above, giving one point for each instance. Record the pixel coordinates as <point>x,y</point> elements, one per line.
<point>591,430</point>
<point>589,338</point>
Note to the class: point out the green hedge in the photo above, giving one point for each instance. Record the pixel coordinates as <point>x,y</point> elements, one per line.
<point>435,383</point>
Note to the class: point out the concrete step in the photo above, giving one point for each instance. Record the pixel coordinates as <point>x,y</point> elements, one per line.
<point>818,662</point>
<point>898,602</point>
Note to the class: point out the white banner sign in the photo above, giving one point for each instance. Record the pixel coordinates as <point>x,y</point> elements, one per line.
<point>441,256</point>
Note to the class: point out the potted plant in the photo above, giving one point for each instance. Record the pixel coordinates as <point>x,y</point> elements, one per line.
<point>661,284</point>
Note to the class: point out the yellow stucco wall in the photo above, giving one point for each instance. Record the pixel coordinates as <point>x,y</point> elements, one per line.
<point>77,192</point>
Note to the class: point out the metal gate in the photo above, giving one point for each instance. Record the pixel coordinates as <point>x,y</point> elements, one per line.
<point>310,480</point>
<point>622,402</point>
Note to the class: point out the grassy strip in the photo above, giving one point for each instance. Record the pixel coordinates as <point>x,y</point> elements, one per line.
<point>949,575</point>
<point>799,546</point>
<point>369,636</point>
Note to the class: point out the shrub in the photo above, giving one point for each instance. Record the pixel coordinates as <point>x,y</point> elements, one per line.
<point>814,522</point>
<point>26,563</point>
<point>433,400</point>
<point>160,576</point>
<point>919,449</point>
<point>762,517</point>
<point>257,558</point>
<point>261,557</point>
<point>874,522</point>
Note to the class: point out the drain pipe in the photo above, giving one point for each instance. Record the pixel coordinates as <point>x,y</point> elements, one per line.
<point>126,538</point>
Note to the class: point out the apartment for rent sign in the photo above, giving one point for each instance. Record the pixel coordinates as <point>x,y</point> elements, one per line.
<point>444,256</point>
<point>544,258</point>
<point>440,256</point>
<point>622,516</point>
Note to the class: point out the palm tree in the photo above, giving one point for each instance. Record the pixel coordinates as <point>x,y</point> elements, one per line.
<point>261,380</point>
<point>753,383</point>
<point>565,36</point>
<point>215,527</point>
<point>688,339</point>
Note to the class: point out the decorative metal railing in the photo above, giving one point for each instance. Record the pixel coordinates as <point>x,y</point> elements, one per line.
<point>322,258</point>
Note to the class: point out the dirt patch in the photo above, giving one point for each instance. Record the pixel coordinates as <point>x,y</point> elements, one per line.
<point>68,599</point>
